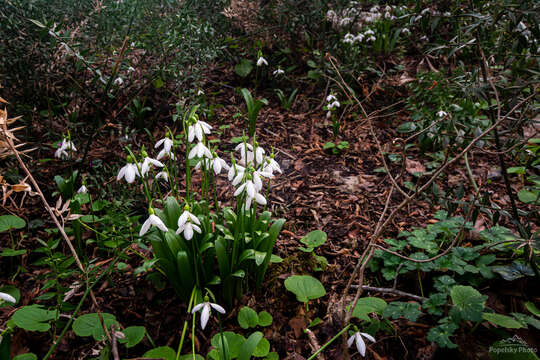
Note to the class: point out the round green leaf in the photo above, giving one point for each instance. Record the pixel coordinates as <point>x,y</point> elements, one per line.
<point>247,317</point>
<point>314,238</point>
<point>11,222</point>
<point>265,319</point>
<point>162,352</point>
<point>305,287</point>
<point>262,349</point>
<point>134,335</point>
<point>90,325</point>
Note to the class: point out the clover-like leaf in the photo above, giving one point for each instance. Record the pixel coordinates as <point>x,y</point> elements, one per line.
<point>247,318</point>
<point>397,309</point>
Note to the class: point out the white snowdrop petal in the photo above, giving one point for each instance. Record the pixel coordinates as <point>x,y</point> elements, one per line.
<point>360,344</point>
<point>205,315</point>
<point>188,231</point>
<point>7,297</point>
<point>367,336</point>
<point>197,308</point>
<point>260,199</point>
<point>218,308</point>
<point>145,227</point>
<point>240,189</point>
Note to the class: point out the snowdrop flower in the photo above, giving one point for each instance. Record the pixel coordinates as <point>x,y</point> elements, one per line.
<point>521,26</point>
<point>236,174</point>
<point>197,130</point>
<point>349,38</point>
<point>200,92</point>
<point>118,81</point>
<point>162,175</point>
<point>331,98</point>
<point>369,32</point>
<point>205,308</point>
<point>65,147</point>
<point>387,15</point>
<point>218,164</point>
<point>257,178</point>
<point>371,38</point>
<point>441,113</point>
<point>333,105</point>
<point>82,190</point>
<point>129,171</point>
<point>374,9</point>
<point>405,31</point>
<point>387,8</point>
<point>147,162</point>
<point>360,344</point>
<point>187,223</point>
<point>262,61</point>
<point>425,11</point>
<point>7,297</point>
<point>130,69</point>
<point>200,150</point>
<point>152,220</point>
<point>166,142</point>
<point>359,38</point>
<point>271,165</point>
<point>278,72</point>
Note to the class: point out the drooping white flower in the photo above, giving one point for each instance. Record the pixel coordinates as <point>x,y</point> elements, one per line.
<point>360,344</point>
<point>359,38</point>
<point>200,92</point>
<point>129,172</point>
<point>405,31</point>
<point>218,164</point>
<point>257,178</point>
<point>64,149</point>
<point>371,38</point>
<point>146,165</point>
<point>6,297</point>
<point>152,220</point>
<point>166,142</point>
<point>330,98</point>
<point>197,130</point>
<point>271,165</point>
<point>162,175</point>
<point>118,81</point>
<point>206,308</point>
<point>262,61</point>
<point>187,223</point>
<point>333,105</point>
<point>236,174</point>
<point>82,190</point>
<point>200,150</point>
<point>441,113</point>
<point>348,38</point>
<point>278,72</point>
<point>164,153</point>
<point>369,32</point>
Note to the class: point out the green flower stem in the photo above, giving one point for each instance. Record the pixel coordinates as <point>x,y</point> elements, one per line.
<point>190,304</point>
<point>329,342</point>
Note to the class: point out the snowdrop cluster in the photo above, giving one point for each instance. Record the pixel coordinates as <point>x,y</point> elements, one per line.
<point>354,17</point>
<point>65,148</point>
<point>247,174</point>
<point>332,104</point>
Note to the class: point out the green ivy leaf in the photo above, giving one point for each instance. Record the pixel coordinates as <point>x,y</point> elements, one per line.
<point>247,318</point>
<point>305,287</point>
<point>434,304</point>
<point>468,303</point>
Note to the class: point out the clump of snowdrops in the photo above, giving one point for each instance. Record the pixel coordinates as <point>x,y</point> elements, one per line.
<point>201,246</point>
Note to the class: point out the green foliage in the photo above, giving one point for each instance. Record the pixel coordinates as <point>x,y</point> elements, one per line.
<point>133,335</point>
<point>34,318</point>
<point>90,325</point>
<point>11,222</point>
<point>368,305</point>
<point>305,287</point>
<point>253,108</point>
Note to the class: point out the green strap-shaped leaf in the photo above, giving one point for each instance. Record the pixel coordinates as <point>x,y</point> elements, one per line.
<point>222,257</point>
<point>250,345</point>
